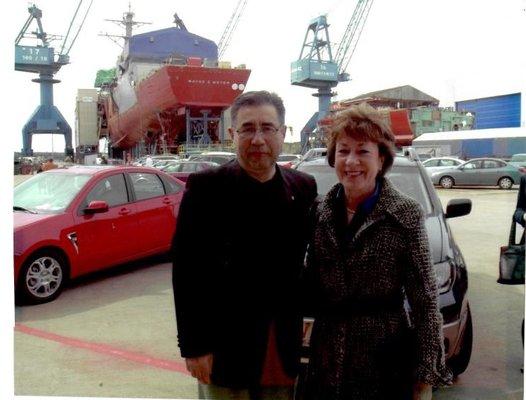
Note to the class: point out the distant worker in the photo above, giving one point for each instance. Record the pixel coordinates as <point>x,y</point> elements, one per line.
<point>49,164</point>
<point>239,323</point>
<point>149,161</point>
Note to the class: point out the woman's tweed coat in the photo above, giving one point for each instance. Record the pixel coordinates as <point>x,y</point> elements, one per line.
<point>362,350</point>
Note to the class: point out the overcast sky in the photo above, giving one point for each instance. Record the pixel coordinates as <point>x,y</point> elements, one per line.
<point>452,50</point>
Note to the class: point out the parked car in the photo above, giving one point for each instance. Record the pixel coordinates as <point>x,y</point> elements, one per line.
<point>439,163</point>
<point>424,156</point>
<point>519,160</point>
<point>478,172</point>
<point>160,164</point>
<point>183,168</point>
<point>220,157</point>
<point>69,222</point>
<point>312,154</point>
<point>408,175</point>
<point>156,159</point>
<point>288,160</point>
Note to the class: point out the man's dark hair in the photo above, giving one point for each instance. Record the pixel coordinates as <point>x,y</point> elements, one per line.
<point>258,98</point>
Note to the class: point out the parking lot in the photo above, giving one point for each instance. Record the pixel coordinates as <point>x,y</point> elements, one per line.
<point>114,334</point>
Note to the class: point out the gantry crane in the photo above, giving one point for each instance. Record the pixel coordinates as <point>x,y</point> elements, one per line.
<point>43,60</point>
<point>317,68</point>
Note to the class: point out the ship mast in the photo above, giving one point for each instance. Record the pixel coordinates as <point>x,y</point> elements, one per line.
<point>128,23</point>
<point>179,23</point>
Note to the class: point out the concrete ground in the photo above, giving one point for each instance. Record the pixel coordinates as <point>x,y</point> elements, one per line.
<point>116,338</point>
<point>114,335</point>
<point>498,310</point>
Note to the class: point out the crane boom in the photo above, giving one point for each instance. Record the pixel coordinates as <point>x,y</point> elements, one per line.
<point>352,35</point>
<point>68,42</point>
<point>230,28</point>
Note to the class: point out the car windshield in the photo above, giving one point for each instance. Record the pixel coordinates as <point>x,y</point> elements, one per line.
<point>48,193</point>
<point>407,179</point>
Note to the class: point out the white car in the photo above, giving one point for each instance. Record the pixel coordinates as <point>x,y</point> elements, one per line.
<point>436,164</point>
<point>311,154</point>
<point>288,160</point>
<point>220,157</point>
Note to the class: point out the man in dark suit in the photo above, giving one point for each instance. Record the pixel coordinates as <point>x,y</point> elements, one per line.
<point>238,254</point>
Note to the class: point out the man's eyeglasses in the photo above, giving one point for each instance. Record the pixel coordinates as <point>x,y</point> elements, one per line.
<point>251,131</point>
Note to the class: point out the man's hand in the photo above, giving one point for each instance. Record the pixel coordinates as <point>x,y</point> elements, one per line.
<point>422,391</point>
<point>200,367</point>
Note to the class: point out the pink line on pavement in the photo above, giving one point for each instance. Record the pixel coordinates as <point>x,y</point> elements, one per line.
<point>105,349</point>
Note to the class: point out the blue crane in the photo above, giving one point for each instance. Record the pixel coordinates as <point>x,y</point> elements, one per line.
<point>317,68</point>
<point>42,60</point>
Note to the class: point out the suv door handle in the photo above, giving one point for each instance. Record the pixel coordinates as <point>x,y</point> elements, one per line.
<point>167,201</point>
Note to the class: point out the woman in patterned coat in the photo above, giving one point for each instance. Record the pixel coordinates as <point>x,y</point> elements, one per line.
<point>370,252</point>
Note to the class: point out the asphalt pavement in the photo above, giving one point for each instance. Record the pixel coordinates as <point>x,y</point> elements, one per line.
<point>113,334</point>
<point>498,355</point>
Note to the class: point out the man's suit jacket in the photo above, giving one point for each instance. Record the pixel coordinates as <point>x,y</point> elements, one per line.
<point>228,288</point>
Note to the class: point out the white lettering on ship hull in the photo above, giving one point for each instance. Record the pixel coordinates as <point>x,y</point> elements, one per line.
<point>234,86</point>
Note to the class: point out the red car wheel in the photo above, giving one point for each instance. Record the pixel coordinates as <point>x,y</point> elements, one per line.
<point>42,277</point>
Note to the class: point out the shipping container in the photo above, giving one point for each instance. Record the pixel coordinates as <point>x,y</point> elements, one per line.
<point>86,118</point>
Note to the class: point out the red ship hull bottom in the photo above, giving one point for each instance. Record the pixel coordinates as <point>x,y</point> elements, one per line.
<point>163,98</point>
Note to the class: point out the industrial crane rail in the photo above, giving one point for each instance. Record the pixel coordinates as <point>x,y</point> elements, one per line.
<point>230,28</point>
<point>352,35</point>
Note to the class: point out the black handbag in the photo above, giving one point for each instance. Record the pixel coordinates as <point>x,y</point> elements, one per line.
<point>511,264</point>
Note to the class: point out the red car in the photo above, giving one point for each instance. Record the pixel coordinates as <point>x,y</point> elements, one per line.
<point>69,222</point>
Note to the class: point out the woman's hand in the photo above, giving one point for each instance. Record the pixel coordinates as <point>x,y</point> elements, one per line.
<point>422,391</point>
